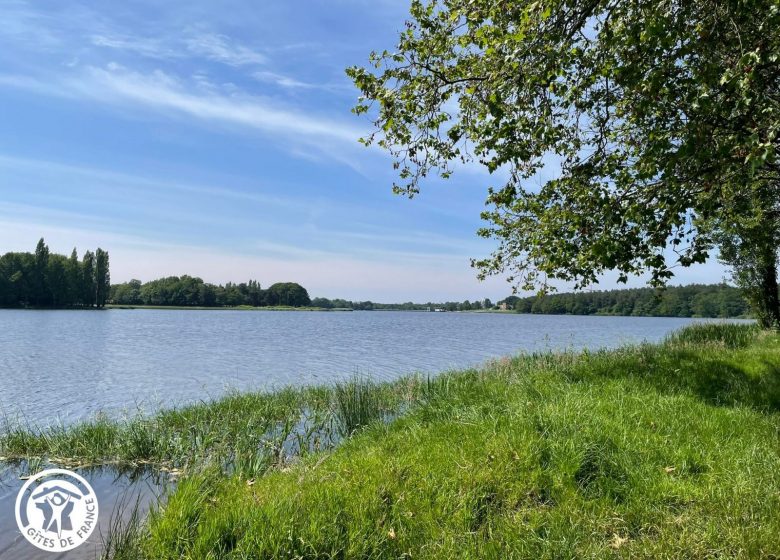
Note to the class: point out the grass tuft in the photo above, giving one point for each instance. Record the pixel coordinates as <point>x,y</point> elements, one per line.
<point>126,530</point>
<point>357,404</point>
<point>728,335</point>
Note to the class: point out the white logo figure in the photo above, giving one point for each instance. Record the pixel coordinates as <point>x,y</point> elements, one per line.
<point>56,510</point>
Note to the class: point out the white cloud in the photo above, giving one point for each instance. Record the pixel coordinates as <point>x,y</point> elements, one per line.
<point>163,91</point>
<point>208,46</point>
<point>282,80</point>
<point>29,83</point>
<point>21,22</point>
<point>158,90</point>
<point>288,82</point>
<point>220,48</point>
<point>143,46</point>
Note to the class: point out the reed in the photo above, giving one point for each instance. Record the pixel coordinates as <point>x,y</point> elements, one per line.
<point>357,403</point>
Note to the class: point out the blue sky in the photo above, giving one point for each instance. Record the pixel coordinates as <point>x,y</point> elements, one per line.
<point>215,139</point>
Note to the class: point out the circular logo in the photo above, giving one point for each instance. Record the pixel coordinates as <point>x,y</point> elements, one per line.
<point>56,510</point>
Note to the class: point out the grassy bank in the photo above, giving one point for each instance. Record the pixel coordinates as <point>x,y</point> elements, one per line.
<point>653,451</point>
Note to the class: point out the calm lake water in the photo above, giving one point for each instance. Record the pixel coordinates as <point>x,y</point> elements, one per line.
<point>118,494</point>
<point>62,366</point>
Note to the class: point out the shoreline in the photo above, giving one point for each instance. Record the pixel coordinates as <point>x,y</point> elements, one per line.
<point>626,440</point>
<point>236,308</point>
<point>111,306</point>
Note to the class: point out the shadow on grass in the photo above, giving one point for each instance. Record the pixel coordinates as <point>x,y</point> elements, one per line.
<point>720,382</point>
<point>714,379</point>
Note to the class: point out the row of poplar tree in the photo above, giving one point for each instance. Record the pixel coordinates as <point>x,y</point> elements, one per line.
<point>45,279</point>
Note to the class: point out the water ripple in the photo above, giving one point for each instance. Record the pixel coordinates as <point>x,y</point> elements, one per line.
<point>61,366</point>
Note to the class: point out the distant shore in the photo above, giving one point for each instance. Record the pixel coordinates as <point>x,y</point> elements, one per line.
<point>338,309</point>
<point>233,308</point>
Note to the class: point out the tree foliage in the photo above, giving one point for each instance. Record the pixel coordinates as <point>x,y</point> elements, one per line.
<point>659,119</point>
<point>189,291</point>
<point>287,293</point>
<point>695,300</point>
<point>44,279</point>
<point>339,303</point>
<point>102,277</point>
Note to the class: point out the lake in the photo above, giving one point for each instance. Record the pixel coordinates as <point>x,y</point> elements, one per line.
<point>63,366</point>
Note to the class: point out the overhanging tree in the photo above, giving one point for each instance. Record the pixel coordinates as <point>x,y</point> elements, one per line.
<point>660,117</point>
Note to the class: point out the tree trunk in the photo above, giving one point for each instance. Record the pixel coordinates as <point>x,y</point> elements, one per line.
<point>770,300</point>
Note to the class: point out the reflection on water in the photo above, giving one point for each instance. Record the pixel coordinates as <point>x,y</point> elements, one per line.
<point>118,493</point>
<point>61,366</point>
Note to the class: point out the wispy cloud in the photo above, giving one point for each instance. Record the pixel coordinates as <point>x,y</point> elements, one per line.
<point>30,84</point>
<point>282,80</point>
<point>289,82</point>
<point>166,92</point>
<point>158,90</point>
<point>21,21</point>
<point>89,31</point>
<point>209,46</point>
<point>221,48</point>
<point>143,46</point>
<point>210,95</point>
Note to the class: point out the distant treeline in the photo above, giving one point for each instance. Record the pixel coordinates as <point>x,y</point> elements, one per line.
<point>466,305</point>
<point>189,291</point>
<point>695,300</point>
<point>44,279</point>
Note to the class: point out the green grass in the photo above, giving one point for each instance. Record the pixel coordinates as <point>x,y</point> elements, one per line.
<point>246,432</point>
<point>358,404</point>
<point>651,451</point>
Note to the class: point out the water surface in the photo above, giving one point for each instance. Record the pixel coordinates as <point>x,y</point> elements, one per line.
<point>118,494</point>
<point>62,366</point>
